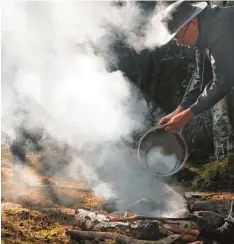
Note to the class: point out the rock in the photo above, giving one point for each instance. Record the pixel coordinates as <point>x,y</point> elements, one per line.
<point>213,219</point>
<point>227,230</point>
<point>222,235</point>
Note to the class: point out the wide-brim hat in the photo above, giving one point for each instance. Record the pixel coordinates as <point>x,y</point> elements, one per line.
<point>178,14</point>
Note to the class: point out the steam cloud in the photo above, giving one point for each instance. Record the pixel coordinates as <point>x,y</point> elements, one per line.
<point>56,59</point>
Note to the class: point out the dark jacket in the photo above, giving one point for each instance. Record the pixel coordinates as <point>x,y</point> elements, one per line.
<point>216,39</point>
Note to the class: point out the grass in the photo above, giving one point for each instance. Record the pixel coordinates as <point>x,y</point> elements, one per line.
<point>33,227</point>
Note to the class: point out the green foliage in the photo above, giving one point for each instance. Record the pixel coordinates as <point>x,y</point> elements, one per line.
<point>213,175</point>
<point>52,231</point>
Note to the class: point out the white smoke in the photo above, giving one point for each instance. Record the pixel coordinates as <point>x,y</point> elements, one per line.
<point>55,76</point>
<point>50,65</point>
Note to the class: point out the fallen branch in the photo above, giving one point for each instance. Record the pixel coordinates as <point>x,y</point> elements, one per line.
<point>178,230</point>
<point>180,236</point>
<point>139,217</point>
<point>196,242</point>
<point>91,235</point>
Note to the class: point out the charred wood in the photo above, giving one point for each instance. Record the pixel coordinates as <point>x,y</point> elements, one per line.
<point>87,220</point>
<point>134,218</point>
<point>178,230</point>
<point>92,235</point>
<point>222,235</point>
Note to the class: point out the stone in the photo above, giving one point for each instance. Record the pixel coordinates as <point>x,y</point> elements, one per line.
<point>222,235</point>
<point>212,219</point>
<point>227,230</point>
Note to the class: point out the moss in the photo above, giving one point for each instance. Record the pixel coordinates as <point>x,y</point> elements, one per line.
<point>211,173</point>
<point>52,231</point>
<point>37,228</point>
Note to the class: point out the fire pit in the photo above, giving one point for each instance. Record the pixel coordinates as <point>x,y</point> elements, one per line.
<point>194,227</point>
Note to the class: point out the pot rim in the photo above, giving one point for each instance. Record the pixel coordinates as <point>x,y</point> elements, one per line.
<point>178,136</point>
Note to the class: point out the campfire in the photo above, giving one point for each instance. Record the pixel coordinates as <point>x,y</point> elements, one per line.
<point>201,224</point>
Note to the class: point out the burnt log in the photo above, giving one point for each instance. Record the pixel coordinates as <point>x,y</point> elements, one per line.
<point>202,206</point>
<point>178,230</point>
<point>136,217</point>
<point>223,234</point>
<point>221,207</point>
<point>222,130</point>
<point>92,221</point>
<point>92,235</point>
<point>137,227</point>
<point>197,242</point>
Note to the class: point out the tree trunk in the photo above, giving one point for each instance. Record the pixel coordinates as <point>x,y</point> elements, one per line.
<point>222,129</point>
<point>230,102</point>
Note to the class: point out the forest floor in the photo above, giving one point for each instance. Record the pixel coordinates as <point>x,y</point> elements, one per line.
<point>39,214</point>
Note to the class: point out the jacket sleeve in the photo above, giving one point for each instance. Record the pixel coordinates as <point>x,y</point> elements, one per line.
<point>202,75</point>
<point>222,61</point>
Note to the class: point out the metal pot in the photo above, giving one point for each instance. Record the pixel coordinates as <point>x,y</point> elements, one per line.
<point>162,153</point>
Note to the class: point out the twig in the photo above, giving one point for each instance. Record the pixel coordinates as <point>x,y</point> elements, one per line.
<point>139,217</point>
<point>177,238</point>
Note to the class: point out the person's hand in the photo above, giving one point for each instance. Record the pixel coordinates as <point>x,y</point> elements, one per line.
<point>167,118</point>
<point>177,122</point>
